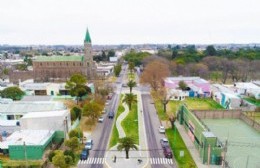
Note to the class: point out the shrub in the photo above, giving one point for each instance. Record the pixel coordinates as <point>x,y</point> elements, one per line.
<point>69,153</point>
<point>51,155</point>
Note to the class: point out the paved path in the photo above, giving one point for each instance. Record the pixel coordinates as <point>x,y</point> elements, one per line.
<point>134,155</point>
<point>120,118</point>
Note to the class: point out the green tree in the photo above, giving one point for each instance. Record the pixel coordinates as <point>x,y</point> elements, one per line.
<point>76,112</point>
<point>117,69</point>
<point>129,99</point>
<point>92,110</point>
<point>182,85</point>
<point>111,53</point>
<point>77,86</point>
<point>104,56</point>
<point>14,93</point>
<point>76,133</point>
<point>59,160</point>
<point>126,144</point>
<point>131,66</point>
<point>131,84</point>
<point>68,159</point>
<point>69,153</point>
<point>72,143</point>
<point>210,50</point>
<point>51,155</point>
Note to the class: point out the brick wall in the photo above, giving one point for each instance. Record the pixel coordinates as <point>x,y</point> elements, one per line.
<point>15,76</point>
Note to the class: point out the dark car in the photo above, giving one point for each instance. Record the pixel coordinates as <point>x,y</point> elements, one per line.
<point>164,142</point>
<point>111,115</point>
<point>84,154</point>
<point>167,152</point>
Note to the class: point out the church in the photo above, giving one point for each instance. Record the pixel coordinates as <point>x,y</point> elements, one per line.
<point>60,68</point>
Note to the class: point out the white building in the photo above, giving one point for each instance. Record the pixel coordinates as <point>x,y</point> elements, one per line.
<point>52,120</point>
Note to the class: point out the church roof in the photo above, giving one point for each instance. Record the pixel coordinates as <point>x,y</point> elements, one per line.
<point>87,37</point>
<point>58,58</point>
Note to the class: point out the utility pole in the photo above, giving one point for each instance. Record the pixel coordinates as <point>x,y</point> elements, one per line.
<point>25,155</point>
<point>224,156</point>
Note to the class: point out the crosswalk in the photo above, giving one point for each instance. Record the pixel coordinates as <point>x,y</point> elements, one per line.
<point>102,161</point>
<point>92,161</point>
<point>160,161</point>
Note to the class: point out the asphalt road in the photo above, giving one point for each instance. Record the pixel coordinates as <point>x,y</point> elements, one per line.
<point>152,124</point>
<point>101,134</point>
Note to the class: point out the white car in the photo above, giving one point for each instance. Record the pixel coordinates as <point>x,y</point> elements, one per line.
<point>101,119</point>
<point>89,144</point>
<point>162,129</point>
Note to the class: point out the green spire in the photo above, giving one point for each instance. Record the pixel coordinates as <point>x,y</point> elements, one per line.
<point>87,37</point>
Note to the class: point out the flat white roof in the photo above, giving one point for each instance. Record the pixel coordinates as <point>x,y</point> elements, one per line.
<point>26,107</point>
<point>247,85</point>
<point>44,114</point>
<point>29,137</point>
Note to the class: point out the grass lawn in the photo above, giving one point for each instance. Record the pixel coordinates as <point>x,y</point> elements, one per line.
<point>131,76</point>
<point>178,145</point>
<point>193,104</point>
<point>130,124</point>
<point>253,101</point>
<point>114,137</point>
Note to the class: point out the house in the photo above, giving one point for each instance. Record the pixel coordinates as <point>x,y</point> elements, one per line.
<point>196,86</point>
<point>34,142</point>
<point>225,96</point>
<point>12,112</point>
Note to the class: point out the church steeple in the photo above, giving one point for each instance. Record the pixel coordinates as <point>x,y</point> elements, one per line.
<point>87,37</point>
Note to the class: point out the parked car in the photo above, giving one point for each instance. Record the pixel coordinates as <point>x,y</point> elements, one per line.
<point>89,144</point>
<point>84,154</point>
<point>107,103</point>
<point>167,152</point>
<point>111,115</point>
<point>162,129</point>
<point>101,119</point>
<point>110,95</point>
<point>164,142</point>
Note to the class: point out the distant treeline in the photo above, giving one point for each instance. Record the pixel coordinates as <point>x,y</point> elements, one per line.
<point>218,65</point>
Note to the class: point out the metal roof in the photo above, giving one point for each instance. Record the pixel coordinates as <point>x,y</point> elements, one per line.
<point>26,107</point>
<point>58,58</point>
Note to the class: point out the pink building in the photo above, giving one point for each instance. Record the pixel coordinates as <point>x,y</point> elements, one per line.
<point>196,84</point>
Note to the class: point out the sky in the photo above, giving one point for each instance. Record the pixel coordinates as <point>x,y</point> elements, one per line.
<point>50,22</point>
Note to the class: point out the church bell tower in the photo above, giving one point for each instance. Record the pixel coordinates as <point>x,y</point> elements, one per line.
<point>88,57</point>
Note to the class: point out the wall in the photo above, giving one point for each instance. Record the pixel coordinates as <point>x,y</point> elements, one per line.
<point>33,152</point>
<point>14,76</point>
<point>195,129</point>
<point>250,122</point>
<point>218,114</point>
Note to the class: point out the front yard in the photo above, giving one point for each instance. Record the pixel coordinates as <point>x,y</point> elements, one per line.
<point>193,104</point>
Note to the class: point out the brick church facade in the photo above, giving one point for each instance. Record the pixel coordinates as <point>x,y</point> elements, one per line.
<point>60,68</point>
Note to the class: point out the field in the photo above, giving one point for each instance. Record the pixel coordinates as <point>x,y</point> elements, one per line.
<point>114,136</point>
<point>243,141</point>
<point>130,124</point>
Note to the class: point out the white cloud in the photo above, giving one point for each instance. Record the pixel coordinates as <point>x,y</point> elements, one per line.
<point>129,21</point>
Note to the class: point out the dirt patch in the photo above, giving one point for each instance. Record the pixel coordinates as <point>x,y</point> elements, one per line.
<point>87,124</point>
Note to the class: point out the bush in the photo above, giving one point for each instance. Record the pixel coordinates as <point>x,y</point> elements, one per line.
<point>51,155</point>
<point>76,111</point>
<point>69,153</point>
<point>68,160</point>
<point>75,133</point>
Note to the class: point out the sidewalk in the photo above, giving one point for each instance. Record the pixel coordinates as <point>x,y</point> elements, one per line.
<point>134,155</point>
<point>193,151</point>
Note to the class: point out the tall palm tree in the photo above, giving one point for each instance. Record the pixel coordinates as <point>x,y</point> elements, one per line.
<point>129,99</point>
<point>131,84</point>
<point>127,143</point>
